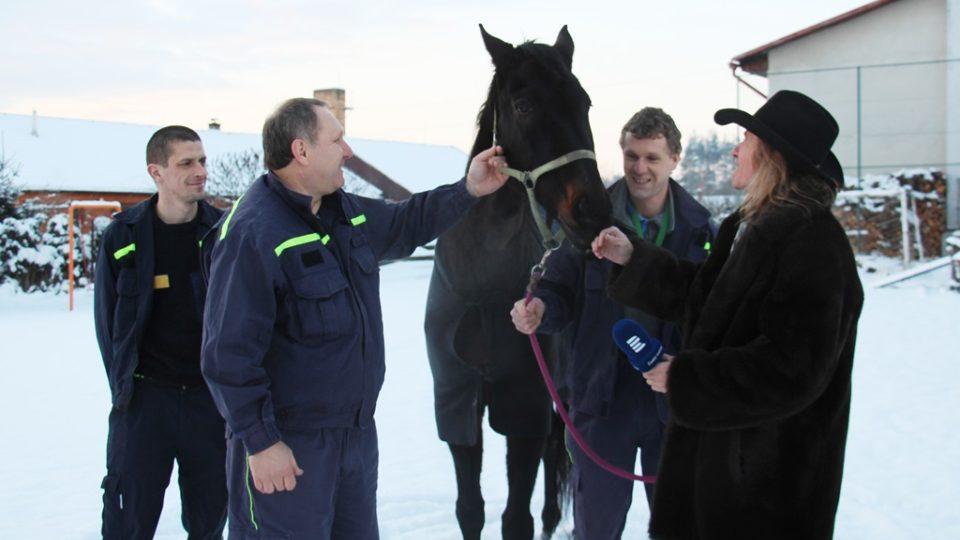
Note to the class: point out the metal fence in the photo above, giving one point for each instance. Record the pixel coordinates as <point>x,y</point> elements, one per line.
<point>893,117</point>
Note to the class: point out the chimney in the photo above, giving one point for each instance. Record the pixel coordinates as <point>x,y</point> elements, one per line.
<point>34,131</point>
<point>337,99</point>
<point>214,125</point>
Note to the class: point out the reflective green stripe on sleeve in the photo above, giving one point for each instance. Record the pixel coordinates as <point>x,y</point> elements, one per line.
<point>124,251</point>
<point>359,220</point>
<point>246,477</point>
<point>300,240</point>
<point>226,222</point>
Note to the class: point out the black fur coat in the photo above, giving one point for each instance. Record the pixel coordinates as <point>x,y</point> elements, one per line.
<point>760,393</point>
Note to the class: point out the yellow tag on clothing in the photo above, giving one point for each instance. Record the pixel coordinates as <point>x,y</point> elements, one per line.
<point>161,281</point>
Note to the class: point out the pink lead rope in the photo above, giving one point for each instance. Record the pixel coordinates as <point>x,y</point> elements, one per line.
<point>535,275</point>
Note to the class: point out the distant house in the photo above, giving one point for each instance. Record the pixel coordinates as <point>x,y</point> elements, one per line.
<point>889,71</point>
<point>61,160</point>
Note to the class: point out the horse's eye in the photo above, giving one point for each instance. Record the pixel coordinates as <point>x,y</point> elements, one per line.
<point>583,208</point>
<point>523,106</point>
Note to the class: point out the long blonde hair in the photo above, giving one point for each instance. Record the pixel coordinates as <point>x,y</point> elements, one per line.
<point>775,183</point>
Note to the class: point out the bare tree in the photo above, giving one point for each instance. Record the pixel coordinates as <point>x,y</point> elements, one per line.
<point>708,165</point>
<point>230,174</point>
<point>358,186</point>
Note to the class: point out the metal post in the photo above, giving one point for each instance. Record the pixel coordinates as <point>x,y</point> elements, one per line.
<point>74,207</point>
<point>70,253</point>
<point>859,165</point>
<point>917,225</point>
<point>952,154</point>
<point>904,227</point>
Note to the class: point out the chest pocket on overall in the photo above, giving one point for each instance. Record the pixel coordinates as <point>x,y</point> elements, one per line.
<point>594,283</point>
<point>594,276</point>
<point>321,304</point>
<point>363,256</point>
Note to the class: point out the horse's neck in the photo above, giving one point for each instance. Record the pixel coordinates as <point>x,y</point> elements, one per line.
<point>495,244</point>
<point>492,248</point>
<point>500,219</point>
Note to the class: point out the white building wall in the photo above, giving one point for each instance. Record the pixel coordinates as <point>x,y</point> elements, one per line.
<point>903,31</point>
<point>903,109</point>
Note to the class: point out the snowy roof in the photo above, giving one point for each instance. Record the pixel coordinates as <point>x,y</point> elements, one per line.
<point>417,167</point>
<point>90,155</point>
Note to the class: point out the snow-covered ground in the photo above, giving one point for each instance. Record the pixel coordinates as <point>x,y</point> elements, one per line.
<point>902,477</point>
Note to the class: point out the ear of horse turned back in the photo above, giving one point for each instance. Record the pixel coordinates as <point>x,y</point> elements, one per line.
<point>499,50</point>
<point>564,45</point>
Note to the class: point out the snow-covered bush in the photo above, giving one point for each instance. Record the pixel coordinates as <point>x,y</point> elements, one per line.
<point>25,258</point>
<point>9,192</point>
<point>33,247</point>
<point>33,251</point>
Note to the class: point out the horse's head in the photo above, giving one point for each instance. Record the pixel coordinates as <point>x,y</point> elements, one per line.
<point>538,112</point>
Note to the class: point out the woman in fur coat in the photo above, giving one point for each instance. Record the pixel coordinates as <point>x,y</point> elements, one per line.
<point>760,392</point>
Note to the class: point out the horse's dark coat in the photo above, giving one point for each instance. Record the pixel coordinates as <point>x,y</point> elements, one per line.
<point>482,265</point>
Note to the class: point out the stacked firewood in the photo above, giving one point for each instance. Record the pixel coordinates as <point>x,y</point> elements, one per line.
<point>873,224</point>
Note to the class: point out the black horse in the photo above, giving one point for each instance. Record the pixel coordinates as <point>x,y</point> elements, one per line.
<point>537,111</point>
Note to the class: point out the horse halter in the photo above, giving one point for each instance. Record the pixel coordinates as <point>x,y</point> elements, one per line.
<point>529,180</point>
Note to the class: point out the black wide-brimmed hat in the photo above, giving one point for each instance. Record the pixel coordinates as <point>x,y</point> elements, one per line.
<point>832,169</point>
<point>796,126</point>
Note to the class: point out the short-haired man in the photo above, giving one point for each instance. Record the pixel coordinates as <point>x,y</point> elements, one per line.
<point>293,334</point>
<point>611,404</point>
<point>148,302</point>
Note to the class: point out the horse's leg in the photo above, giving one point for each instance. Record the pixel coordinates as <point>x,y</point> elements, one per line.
<point>467,462</point>
<point>556,477</point>
<point>523,461</point>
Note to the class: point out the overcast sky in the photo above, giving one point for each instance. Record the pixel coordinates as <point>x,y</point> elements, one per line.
<point>413,71</point>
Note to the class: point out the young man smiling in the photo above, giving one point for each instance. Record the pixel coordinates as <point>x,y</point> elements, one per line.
<point>148,312</point>
<point>610,403</point>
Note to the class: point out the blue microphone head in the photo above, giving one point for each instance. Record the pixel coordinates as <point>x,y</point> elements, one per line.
<point>642,350</point>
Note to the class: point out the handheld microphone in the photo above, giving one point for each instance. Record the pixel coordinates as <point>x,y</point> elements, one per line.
<point>642,350</point>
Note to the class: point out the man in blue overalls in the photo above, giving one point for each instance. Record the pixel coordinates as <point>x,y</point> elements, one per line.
<point>293,333</point>
<point>611,404</point>
<point>148,305</point>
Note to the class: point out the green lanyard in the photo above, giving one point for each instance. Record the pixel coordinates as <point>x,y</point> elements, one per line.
<point>661,234</point>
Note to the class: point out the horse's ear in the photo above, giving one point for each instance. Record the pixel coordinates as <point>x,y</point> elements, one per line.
<point>499,50</point>
<point>564,45</point>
